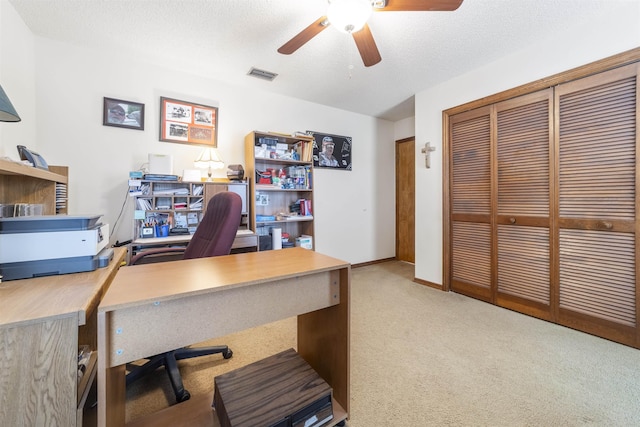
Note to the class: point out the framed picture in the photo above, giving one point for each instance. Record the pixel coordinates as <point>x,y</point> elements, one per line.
<point>331,151</point>
<point>123,114</point>
<point>188,123</point>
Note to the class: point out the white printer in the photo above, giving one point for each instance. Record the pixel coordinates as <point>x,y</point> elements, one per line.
<point>33,246</point>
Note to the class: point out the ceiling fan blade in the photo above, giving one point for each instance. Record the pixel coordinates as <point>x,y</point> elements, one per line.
<point>304,36</point>
<point>419,5</point>
<point>367,46</point>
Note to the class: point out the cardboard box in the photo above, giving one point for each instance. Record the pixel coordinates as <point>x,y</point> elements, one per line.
<point>304,241</point>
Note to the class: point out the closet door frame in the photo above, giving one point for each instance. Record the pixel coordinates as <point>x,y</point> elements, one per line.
<point>610,315</point>
<point>605,64</point>
<point>593,244</point>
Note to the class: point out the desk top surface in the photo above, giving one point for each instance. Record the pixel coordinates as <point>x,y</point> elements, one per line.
<point>176,279</point>
<point>181,238</point>
<point>32,300</point>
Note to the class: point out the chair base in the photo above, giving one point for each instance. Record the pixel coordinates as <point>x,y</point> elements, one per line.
<point>169,361</point>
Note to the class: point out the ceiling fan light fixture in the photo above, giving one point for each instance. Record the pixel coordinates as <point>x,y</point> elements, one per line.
<point>349,16</point>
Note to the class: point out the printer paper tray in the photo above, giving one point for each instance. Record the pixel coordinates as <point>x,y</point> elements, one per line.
<point>52,267</point>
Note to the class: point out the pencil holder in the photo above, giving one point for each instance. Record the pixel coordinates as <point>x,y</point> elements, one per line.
<point>162,230</point>
<point>147,232</point>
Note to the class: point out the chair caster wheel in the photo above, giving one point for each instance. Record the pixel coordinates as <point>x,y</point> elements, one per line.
<point>227,354</point>
<point>184,396</point>
<point>342,423</point>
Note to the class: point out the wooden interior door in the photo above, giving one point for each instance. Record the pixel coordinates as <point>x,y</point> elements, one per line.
<point>405,199</point>
<point>524,248</point>
<point>597,136</point>
<point>471,216</point>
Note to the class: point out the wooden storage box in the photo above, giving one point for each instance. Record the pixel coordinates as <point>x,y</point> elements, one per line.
<point>281,390</point>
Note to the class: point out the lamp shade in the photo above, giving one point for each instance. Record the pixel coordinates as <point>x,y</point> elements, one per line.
<point>7,112</point>
<point>209,159</point>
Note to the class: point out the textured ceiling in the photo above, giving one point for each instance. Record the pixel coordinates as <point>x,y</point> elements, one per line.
<point>223,39</point>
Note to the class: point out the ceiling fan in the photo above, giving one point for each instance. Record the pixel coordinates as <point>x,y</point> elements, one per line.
<point>350,16</point>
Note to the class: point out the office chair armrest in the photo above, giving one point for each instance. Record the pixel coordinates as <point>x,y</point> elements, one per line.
<point>177,250</point>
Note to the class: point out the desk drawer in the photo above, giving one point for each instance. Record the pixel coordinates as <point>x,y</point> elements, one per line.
<point>245,241</point>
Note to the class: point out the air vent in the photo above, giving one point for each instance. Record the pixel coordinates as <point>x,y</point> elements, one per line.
<point>262,74</point>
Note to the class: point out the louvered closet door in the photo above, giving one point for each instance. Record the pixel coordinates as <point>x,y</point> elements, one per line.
<point>470,184</point>
<point>524,135</point>
<point>597,201</point>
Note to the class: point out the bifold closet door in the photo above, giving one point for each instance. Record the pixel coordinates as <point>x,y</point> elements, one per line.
<point>524,135</point>
<point>470,183</point>
<point>597,136</point>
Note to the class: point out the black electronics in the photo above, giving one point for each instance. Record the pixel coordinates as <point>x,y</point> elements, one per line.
<point>31,156</point>
<point>178,231</point>
<point>235,173</point>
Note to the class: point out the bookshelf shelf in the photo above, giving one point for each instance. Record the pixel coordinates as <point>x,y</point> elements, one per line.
<point>280,161</point>
<point>280,171</point>
<point>25,184</point>
<point>273,188</point>
<point>296,219</point>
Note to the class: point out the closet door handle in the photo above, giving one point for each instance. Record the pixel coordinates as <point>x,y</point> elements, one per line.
<point>512,220</point>
<point>605,224</point>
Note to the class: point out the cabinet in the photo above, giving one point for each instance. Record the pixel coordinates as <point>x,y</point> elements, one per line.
<point>182,204</point>
<point>280,170</point>
<point>42,322</point>
<point>20,183</point>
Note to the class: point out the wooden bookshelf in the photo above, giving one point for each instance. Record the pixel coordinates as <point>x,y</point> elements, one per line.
<point>20,183</point>
<point>272,197</point>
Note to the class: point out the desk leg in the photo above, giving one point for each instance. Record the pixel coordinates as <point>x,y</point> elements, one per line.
<point>111,381</point>
<point>324,337</point>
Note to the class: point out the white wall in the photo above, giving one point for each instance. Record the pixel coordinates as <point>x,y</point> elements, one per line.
<point>17,77</point>
<point>352,220</point>
<point>615,32</point>
<point>404,128</point>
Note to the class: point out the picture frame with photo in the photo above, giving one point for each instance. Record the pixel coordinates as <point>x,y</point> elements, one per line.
<point>188,123</point>
<point>331,151</point>
<point>122,114</point>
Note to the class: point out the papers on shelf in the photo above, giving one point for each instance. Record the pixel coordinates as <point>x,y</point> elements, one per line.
<point>196,205</point>
<point>180,219</point>
<point>144,204</point>
<point>198,189</point>
<point>192,218</point>
<point>245,232</point>
<point>171,191</point>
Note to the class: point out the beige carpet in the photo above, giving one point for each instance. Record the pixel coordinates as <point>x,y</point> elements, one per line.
<point>422,357</point>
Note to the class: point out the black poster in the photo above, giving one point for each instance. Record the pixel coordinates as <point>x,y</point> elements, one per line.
<point>331,151</point>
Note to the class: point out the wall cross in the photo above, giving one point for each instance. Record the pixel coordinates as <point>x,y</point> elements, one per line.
<point>427,154</point>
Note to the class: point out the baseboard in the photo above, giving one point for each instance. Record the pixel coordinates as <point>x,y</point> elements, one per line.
<point>415,279</point>
<point>427,283</point>
<point>364,264</point>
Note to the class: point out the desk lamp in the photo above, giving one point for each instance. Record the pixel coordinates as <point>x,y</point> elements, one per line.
<point>7,112</point>
<point>209,159</point>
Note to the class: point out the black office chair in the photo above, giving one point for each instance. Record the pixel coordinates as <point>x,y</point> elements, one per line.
<point>213,237</point>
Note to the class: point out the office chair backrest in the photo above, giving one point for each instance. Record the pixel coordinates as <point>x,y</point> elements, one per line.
<point>217,230</point>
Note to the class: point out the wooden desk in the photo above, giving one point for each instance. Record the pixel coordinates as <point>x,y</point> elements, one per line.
<point>189,301</point>
<point>245,241</point>
<point>42,321</point>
